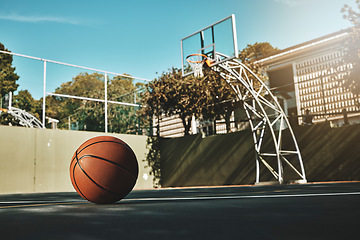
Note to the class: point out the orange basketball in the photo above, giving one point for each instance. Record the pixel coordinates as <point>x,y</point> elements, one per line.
<point>104,169</point>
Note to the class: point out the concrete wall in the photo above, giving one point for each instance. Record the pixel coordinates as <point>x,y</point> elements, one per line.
<point>210,161</point>
<point>329,154</point>
<point>38,160</point>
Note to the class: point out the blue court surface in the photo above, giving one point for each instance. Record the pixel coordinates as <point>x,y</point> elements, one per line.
<point>307,211</point>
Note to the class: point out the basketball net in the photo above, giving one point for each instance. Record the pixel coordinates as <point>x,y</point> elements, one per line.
<point>196,61</point>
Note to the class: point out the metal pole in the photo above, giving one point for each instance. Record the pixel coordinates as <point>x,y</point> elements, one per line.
<point>10,101</point>
<point>92,99</point>
<point>106,107</point>
<point>44,95</point>
<point>72,65</point>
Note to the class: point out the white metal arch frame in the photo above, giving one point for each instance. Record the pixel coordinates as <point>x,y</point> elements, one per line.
<point>265,116</point>
<point>25,119</point>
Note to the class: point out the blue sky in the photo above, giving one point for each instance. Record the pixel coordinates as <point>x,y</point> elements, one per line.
<point>142,37</point>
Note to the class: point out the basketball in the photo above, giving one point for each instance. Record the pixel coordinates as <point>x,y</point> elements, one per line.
<point>104,169</point>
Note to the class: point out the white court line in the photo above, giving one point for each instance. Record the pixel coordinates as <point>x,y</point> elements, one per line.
<point>36,202</point>
<point>244,197</point>
<point>195,198</point>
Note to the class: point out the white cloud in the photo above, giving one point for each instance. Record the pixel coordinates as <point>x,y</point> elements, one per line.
<point>37,19</point>
<point>293,3</point>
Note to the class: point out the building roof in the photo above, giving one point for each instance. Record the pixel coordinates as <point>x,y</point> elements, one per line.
<point>304,46</point>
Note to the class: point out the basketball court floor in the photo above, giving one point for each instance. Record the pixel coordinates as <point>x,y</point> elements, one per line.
<point>307,211</point>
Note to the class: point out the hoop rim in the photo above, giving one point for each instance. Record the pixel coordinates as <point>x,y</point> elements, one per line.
<point>197,54</point>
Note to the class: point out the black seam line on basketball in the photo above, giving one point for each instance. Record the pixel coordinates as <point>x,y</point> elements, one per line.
<point>100,142</point>
<point>77,187</point>
<point>109,161</point>
<point>106,141</point>
<point>77,162</point>
<point>77,159</point>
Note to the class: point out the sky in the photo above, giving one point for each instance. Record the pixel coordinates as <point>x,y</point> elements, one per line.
<point>142,37</point>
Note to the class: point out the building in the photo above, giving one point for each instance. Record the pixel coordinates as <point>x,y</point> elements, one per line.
<point>173,126</point>
<point>305,78</point>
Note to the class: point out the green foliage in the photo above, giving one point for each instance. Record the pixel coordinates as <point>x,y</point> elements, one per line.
<point>171,94</point>
<point>86,113</point>
<point>124,119</point>
<point>220,98</point>
<point>153,159</point>
<point>25,101</point>
<point>8,77</point>
<point>90,115</point>
<point>255,51</point>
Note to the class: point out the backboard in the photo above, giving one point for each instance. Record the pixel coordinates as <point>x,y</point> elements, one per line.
<point>219,37</point>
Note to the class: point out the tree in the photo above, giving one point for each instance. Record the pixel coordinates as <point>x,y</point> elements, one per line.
<point>171,94</point>
<point>255,51</point>
<point>352,51</point>
<point>8,77</point>
<point>90,115</point>
<point>152,97</point>
<point>25,101</point>
<point>185,97</point>
<point>124,119</point>
<point>220,98</point>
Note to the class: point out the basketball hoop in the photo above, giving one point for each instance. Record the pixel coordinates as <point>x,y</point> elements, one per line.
<point>196,61</point>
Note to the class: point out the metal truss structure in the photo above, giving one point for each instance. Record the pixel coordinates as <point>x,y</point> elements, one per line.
<point>25,119</point>
<point>267,120</point>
